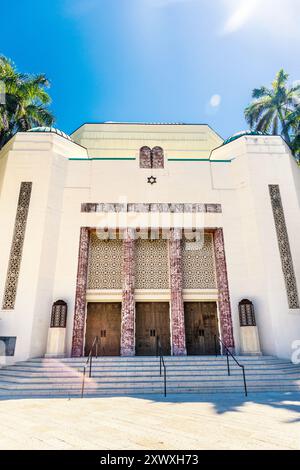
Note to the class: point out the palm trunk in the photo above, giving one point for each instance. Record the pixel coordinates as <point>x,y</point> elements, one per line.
<point>284,128</point>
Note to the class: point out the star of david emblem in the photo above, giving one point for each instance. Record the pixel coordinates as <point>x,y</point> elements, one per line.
<point>151,180</point>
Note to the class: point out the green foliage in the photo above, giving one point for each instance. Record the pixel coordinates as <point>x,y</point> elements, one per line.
<point>26,101</point>
<point>293,123</point>
<point>276,111</point>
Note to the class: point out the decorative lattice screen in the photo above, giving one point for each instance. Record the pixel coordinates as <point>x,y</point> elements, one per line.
<point>105,264</point>
<point>198,264</point>
<point>284,247</point>
<point>151,264</point>
<point>16,250</point>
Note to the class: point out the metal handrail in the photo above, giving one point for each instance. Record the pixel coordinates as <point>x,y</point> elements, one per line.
<point>161,363</point>
<point>89,362</point>
<point>228,352</point>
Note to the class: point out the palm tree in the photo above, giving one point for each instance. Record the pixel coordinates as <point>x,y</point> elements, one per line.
<point>293,122</point>
<point>271,110</point>
<point>26,101</point>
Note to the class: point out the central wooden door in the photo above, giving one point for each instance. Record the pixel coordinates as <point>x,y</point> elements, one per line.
<point>104,321</point>
<point>152,320</point>
<point>201,326</point>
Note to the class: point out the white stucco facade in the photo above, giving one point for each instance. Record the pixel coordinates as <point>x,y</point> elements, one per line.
<point>101,165</point>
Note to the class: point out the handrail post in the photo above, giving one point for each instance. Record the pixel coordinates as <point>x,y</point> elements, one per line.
<point>83,380</point>
<point>161,364</point>
<point>228,367</point>
<point>216,352</point>
<point>91,359</point>
<point>228,352</point>
<point>245,384</point>
<point>89,362</point>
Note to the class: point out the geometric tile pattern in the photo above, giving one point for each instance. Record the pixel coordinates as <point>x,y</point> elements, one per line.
<point>15,258</point>
<point>105,263</point>
<point>151,264</point>
<point>199,264</point>
<point>284,247</point>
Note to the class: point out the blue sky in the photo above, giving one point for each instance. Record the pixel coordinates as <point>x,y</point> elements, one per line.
<point>153,60</point>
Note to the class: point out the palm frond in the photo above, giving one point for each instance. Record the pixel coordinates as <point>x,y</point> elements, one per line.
<point>39,116</point>
<point>261,92</point>
<point>276,110</point>
<point>255,110</point>
<point>280,80</point>
<point>264,124</point>
<point>26,100</point>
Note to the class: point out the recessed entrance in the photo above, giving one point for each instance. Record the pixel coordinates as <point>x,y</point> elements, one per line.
<point>201,326</point>
<point>152,320</point>
<point>104,321</point>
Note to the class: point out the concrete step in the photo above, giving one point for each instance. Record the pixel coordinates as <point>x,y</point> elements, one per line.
<point>117,376</point>
<point>10,376</point>
<point>33,393</point>
<point>140,381</point>
<point>151,360</point>
<point>152,366</point>
<point>153,363</point>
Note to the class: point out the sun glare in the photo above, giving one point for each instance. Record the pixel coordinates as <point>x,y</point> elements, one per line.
<point>241,14</point>
<point>272,15</point>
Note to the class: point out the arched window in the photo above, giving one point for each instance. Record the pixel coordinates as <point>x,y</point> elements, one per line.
<point>247,314</point>
<point>145,157</point>
<point>59,314</point>
<point>157,157</point>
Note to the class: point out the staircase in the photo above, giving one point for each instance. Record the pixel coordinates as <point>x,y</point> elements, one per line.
<point>140,375</point>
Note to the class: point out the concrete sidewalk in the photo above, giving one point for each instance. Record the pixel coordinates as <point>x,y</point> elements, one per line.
<point>263,421</point>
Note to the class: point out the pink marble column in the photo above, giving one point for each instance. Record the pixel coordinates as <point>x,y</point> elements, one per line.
<point>128,302</point>
<point>177,306</point>
<point>224,297</point>
<point>80,299</point>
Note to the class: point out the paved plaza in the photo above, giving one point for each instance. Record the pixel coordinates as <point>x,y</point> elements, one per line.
<point>263,421</point>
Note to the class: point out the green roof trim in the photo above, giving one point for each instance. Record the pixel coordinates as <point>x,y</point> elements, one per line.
<point>51,130</point>
<point>242,134</point>
<point>188,159</point>
<point>197,160</point>
<point>169,159</point>
<point>103,158</point>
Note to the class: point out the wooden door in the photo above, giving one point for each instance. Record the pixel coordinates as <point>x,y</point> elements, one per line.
<point>201,326</point>
<point>104,321</point>
<point>152,320</point>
